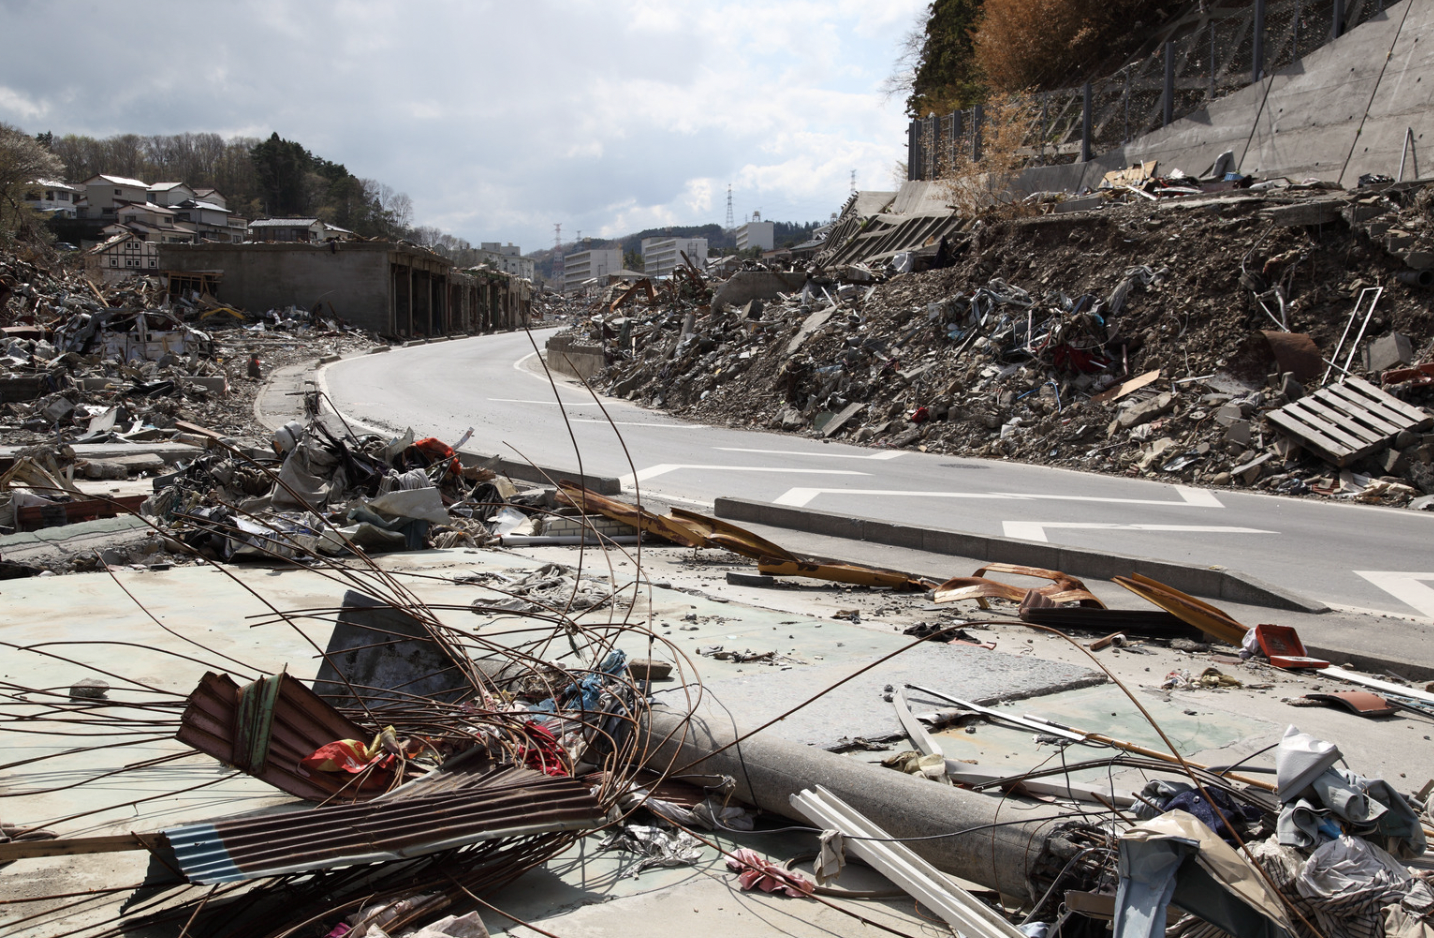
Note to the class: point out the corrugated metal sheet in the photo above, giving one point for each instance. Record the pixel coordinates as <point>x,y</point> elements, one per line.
<point>882,236</point>
<point>302,723</point>
<point>345,835</point>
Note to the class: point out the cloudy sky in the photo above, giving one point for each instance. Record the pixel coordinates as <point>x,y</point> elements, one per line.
<point>499,119</point>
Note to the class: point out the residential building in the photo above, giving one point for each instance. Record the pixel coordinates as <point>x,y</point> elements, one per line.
<point>170,193</point>
<point>661,256</point>
<point>152,222</point>
<point>53,197</point>
<point>590,264</point>
<point>205,194</point>
<point>396,289</point>
<point>507,258</point>
<point>105,194</point>
<point>286,229</point>
<point>756,234</point>
<point>121,255</point>
<point>333,232</point>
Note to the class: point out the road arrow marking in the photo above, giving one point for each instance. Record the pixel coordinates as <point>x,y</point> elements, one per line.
<point>1405,587</point>
<point>1035,530</point>
<point>1189,497</point>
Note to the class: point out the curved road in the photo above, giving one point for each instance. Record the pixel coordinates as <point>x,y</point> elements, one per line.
<point>1346,555</point>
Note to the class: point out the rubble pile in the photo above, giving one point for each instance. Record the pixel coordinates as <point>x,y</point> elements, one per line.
<point>1220,308</point>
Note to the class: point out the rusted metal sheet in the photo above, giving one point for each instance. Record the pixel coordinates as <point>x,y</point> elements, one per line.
<point>845,573</point>
<point>1418,376</point>
<point>295,841</point>
<point>1201,615</point>
<point>301,722</point>
<point>1296,353</point>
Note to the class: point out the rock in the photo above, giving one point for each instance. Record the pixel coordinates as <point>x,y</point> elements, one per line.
<point>906,438</point>
<point>1406,439</point>
<point>1238,431</point>
<point>1220,478</point>
<point>1290,388</point>
<point>1422,475</point>
<point>1146,411</point>
<point>1392,462</point>
<point>1248,472</point>
<point>90,688</point>
<point>1423,503</point>
<point>1387,351</point>
<point>1228,414</point>
<point>1187,644</point>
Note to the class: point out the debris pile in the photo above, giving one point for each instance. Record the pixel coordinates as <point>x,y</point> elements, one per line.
<point>1187,339</point>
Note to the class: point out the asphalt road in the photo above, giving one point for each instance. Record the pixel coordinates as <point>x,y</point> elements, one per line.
<point>1346,555</point>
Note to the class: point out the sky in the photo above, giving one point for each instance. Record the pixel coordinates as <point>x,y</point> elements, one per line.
<point>498,119</point>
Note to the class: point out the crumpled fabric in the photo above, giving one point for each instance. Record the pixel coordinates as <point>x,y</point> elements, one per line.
<point>1229,810</point>
<point>656,846</point>
<point>1371,808</point>
<point>831,858</point>
<point>1349,882</point>
<point>755,872</point>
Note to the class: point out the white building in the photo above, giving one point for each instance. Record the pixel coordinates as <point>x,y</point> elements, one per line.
<point>757,234</point>
<point>170,193</point>
<point>104,194</point>
<point>661,256</point>
<point>507,258</point>
<point>123,254</point>
<point>53,197</point>
<point>593,264</point>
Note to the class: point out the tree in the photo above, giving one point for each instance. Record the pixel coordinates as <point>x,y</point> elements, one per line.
<point>22,161</point>
<point>1045,44</point>
<point>946,75</point>
<point>282,168</point>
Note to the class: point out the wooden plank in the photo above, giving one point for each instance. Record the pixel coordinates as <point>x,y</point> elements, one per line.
<point>1336,452</point>
<point>68,847</point>
<point>1389,400</point>
<point>1381,408</point>
<point>1320,419</point>
<point>1371,431</point>
<point>1120,390</point>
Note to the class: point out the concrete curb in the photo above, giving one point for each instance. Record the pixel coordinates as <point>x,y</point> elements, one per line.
<point>1214,582</point>
<point>512,468</point>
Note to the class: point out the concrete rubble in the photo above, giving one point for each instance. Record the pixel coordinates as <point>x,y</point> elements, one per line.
<point>1158,333</point>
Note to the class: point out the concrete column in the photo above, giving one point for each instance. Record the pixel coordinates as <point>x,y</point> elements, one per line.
<point>913,152</point>
<point>1257,43</point>
<point>1085,153</point>
<point>410,301</point>
<point>768,771</point>
<point>1169,96</point>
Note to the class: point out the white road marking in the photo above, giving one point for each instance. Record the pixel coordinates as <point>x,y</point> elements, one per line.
<point>639,423</point>
<point>1036,530</point>
<point>1189,497</point>
<point>661,469</point>
<point>1405,587</point>
<point>884,455</point>
<point>512,400</point>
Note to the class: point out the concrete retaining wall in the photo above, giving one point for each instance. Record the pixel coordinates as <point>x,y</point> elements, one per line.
<point>1338,113</point>
<point>568,355</point>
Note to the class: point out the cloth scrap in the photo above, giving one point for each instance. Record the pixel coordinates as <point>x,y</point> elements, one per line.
<point>758,873</point>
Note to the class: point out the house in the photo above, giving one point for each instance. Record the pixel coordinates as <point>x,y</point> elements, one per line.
<point>333,232</point>
<point>209,219</point>
<point>170,193</point>
<point>152,223</point>
<point>121,255</point>
<point>661,256</point>
<point>104,194</point>
<point>53,197</point>
<point>591,264</point>
<point>286,229</point>
<point>205,194</point>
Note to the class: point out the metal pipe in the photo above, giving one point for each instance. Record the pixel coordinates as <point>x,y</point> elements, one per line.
<point>1257,43</point>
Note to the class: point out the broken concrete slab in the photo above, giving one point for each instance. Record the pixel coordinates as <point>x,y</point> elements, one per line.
<point>747,285</point>
<point>1388,351</point>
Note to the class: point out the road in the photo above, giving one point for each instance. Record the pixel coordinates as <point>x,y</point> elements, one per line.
<point>1355,556</point>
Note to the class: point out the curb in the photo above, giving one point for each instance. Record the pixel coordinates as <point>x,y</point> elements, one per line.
<point>1214,582</point>
<point>512,468</point>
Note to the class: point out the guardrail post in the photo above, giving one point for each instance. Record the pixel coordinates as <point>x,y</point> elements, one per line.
<point>1169,97</point>
<point>1085,123</point>
<point>978,114</point>
<point>1257,43</point>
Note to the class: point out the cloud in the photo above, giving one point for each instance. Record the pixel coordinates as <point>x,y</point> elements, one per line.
<point>502,119</point>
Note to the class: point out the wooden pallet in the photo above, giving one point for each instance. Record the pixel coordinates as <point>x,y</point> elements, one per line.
<point>1347,421</point>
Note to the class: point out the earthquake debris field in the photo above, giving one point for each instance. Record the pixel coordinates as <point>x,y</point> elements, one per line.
<point>1279,339</point>
<point>309,739</point>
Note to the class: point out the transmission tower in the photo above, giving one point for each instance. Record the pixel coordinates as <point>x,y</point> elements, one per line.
<point>731,221</point>
<point>853,182</point>
<point>558,254</point>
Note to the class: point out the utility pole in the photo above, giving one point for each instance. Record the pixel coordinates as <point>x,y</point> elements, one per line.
<point>558,254</point>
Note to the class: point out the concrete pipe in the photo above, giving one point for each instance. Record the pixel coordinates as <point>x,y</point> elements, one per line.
<point>1416,278</point>
<point>769,770</point>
